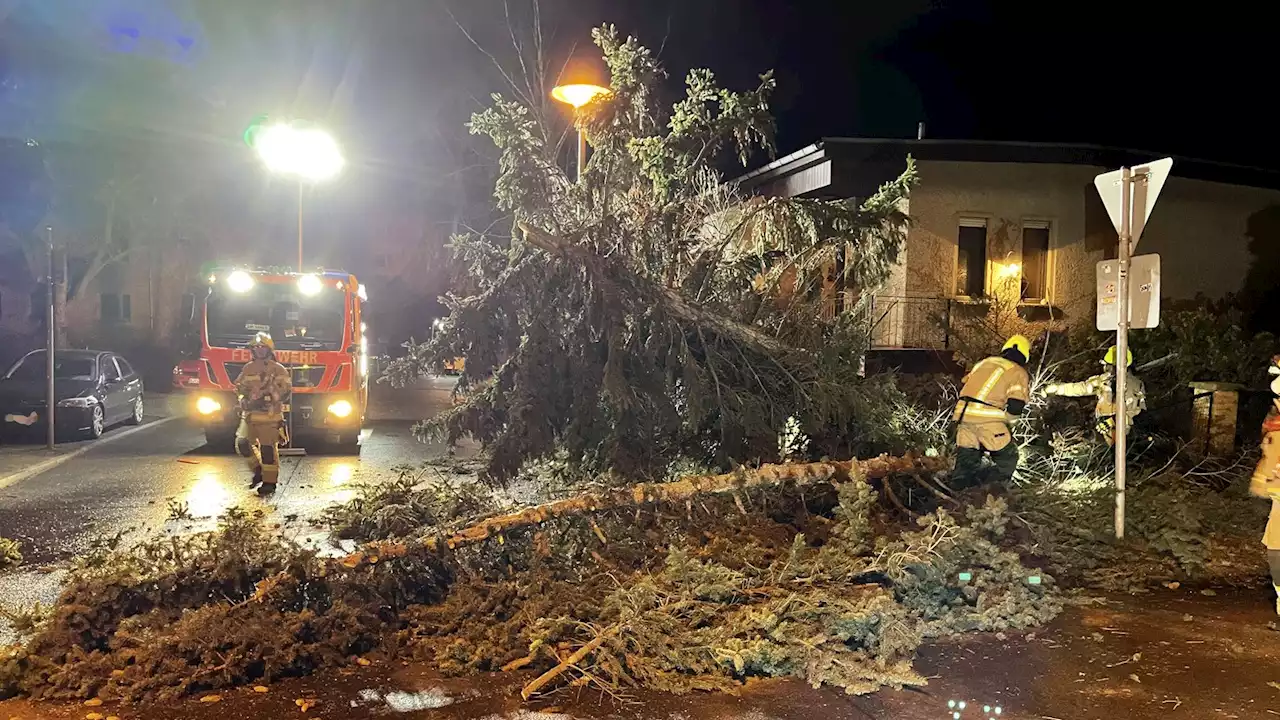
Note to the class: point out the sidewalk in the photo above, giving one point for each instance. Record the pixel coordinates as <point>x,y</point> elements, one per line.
<point>21,460</point>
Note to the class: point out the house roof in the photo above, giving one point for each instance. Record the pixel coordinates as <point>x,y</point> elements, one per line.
<point>877,151</point>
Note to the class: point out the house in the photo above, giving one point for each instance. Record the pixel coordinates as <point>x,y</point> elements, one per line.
<point>132,302</point>
<point>1022,223</point>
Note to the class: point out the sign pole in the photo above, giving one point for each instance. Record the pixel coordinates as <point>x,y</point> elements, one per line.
<point>1122,344</point>
<point>49,340</point>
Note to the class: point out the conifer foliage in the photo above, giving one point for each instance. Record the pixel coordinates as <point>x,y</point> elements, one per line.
<point>647,311</point>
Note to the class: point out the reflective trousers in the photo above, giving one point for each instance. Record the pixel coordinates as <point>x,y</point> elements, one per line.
<point>969,463</point>
<point>259,444</point>
<point>978,437</point>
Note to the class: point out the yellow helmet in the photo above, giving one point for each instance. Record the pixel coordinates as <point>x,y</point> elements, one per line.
<point>1110,359</point>
<point>264,339</point>
<point>1021,343</point>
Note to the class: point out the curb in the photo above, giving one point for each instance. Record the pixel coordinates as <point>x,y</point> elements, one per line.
<point>53,462</point>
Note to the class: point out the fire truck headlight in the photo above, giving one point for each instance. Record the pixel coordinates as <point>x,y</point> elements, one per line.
<point>309,285</point>
<point>341,409</point>
<point>240,281</point>
<point>207,406</point>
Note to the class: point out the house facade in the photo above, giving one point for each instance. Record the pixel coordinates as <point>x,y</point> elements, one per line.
<point>1022,225</point>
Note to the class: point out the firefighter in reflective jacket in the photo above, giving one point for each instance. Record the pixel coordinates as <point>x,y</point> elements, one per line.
<point>1266,478</point>
<point>264,387</point>
<point>995,392</point>
<point>1103,387</point>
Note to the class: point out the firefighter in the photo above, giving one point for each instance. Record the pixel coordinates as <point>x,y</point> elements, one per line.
<point>995,392</point>
<point>264,387</point>
<point>1103,387</point>
<point>1266,478</point>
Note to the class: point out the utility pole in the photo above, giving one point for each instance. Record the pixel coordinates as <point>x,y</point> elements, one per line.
<point>50,403</point>
<point>1121,417</point>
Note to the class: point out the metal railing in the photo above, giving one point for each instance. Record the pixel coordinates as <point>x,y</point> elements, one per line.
<point>901,322</point>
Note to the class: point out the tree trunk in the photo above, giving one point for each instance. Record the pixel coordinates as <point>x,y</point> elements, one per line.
<point>638,290</point>
<point>680,491</point>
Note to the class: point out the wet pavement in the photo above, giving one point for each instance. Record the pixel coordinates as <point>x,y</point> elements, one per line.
<point>1186,653</point>
<point>1177,654</point>
<point>135,484</point>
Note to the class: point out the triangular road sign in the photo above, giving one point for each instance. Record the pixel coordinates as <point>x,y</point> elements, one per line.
<point>1148,181</point>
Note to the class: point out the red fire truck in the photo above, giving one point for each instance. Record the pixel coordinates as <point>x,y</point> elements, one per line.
<point>314,319</point>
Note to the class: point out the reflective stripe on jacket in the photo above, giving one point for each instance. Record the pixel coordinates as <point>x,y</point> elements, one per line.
<point>988,387</point>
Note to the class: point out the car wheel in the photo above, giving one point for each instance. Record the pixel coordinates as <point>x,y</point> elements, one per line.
<point>97,423</point>
<point>135,418</point>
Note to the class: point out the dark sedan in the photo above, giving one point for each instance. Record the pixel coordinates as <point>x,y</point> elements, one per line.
<point>94,390</point>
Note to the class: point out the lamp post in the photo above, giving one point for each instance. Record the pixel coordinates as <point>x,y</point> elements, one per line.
<point>50,345</point>
<point>578,95</point>
<point>306,153</point>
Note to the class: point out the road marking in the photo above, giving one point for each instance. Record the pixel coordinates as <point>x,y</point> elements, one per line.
<point>53,462</point>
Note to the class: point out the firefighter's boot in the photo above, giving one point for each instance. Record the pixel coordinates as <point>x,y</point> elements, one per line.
<point>267,438</point>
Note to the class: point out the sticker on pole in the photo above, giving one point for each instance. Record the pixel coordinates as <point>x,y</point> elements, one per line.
<point>1148,181</point>
<point>1144,293</point>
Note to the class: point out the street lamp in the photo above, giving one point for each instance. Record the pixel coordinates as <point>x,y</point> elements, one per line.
<point>577,95</point>
<point>306,153</point>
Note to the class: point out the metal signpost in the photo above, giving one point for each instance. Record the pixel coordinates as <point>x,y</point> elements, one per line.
<point>1129,194</point>
<point>50,439</point>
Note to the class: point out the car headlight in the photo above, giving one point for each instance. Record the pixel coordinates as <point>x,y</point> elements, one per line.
<point>207,406</point>
<point>78,402</point>
<point>341,408</point>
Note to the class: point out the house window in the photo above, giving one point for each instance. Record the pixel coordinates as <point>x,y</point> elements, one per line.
<point>971,258</point>
<point>116,308</point>
<point>1035,261</point>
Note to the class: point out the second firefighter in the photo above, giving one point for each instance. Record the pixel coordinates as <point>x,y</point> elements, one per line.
<point>1103,387</point>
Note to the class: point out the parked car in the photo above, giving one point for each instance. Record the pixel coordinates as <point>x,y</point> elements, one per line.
<point>94,390</point>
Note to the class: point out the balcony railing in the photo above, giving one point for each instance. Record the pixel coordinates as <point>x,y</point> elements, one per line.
<point>900,322</point>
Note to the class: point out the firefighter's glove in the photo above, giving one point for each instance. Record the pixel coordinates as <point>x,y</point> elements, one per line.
<point>1013,406</point>
<point>1051,389</point>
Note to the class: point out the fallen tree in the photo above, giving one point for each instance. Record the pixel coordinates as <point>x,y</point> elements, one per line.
<point>684,490</point>
<point>647,311</point>
<point>698,584</point>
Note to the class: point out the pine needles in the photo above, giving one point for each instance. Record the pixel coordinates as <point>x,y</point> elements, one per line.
<point>697,594</point>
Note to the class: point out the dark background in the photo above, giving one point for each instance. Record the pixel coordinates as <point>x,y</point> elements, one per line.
<point>397,79</point>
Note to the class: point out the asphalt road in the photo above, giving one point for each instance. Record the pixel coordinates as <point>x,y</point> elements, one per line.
<point>129,485</point>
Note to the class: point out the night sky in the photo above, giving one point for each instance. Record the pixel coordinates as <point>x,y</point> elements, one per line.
<point>1123,73</point>
<point>1134,74</point>
<point>396,79</point>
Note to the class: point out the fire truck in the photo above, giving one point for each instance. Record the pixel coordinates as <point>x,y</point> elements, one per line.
<point>315,321</point>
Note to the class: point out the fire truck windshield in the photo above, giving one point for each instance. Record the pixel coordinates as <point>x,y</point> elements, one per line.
<point>295,321</point>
